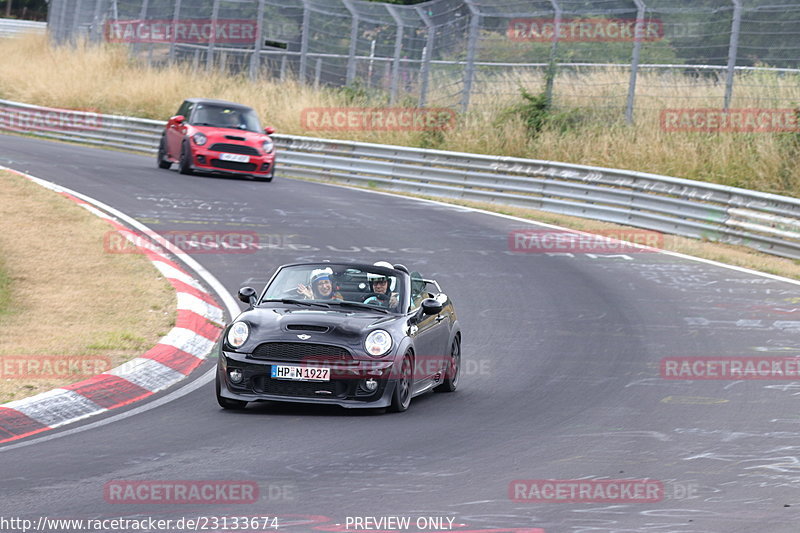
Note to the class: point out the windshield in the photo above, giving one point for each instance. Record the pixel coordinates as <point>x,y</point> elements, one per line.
<point>220,116</point>
<point>337,285</point>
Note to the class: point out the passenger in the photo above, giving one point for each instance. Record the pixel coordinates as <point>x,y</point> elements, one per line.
<point>320,288</point>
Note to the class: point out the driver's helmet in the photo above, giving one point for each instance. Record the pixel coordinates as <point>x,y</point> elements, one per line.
<point>372,277</point>
<point>230,117</point>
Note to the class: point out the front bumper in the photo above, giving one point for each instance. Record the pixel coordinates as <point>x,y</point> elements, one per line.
<point>346,387</point>
<point>209,161</point>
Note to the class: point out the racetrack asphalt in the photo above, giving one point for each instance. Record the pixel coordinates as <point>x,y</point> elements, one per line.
<point>561,377</point>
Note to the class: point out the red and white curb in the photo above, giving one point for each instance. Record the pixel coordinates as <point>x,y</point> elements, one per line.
<point>198,325</point>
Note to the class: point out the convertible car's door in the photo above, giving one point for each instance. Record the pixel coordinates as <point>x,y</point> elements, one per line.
<point>431,338</point>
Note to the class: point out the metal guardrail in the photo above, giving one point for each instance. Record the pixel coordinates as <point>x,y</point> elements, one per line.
<point>11,27</point>
<point>766,222</point>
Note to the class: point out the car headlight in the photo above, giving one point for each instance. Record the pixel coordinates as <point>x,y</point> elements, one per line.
<point>268,146</point>
<point>238,334</point>
<point>378,343</point>
<point>199,139</point>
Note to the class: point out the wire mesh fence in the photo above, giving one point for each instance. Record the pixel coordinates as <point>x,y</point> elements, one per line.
<point>620,57</point>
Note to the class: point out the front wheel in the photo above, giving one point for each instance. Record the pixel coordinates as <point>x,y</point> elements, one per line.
<point>227,403</point>
<point>401,398</point>
<point>163,162</point>
<point>453,371</point>
<point>184,165</point>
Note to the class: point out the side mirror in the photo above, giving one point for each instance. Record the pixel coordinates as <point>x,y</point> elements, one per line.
<point>247,295</point>
<point>431,306</point>
<point>269,130</point>
<point>177,119</point>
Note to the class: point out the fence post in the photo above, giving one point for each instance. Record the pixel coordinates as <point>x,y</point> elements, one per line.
<point>303,45</point>
<point>142,16</point>
<point>317,72</point>
<point>176,16</point>
<point>76,20</point>
<point>96,33</point>
<point>255,59</point>
<point>212,41</point>
<point>472,45</point>
<point>732,52</point>
<point>398,45</point>
<point>62,22</point>
<point>427,52</point>
<point>637,48</point>
<point>51,19</point>
<point>351,54</point>
<point>551,66</point>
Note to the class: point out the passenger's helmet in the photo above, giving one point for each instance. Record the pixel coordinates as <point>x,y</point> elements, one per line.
<point>320,274</point>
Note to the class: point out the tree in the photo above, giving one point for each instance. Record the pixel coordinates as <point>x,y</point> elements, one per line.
<point>26,9</point>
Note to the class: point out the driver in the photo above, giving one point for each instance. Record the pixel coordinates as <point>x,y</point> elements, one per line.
<point>229,118</point>
<point>320,288</point>
<point>380,285</point>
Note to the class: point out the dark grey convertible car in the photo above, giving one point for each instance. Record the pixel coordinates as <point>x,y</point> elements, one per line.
<point>353,335</point>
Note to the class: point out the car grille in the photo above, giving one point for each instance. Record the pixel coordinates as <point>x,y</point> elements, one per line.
<point>233,165</point>
<point>234,149</point>
<point>300,351</point>
<point>267,385</point>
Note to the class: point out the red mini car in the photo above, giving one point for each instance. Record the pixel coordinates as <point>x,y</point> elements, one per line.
<point>218,137</point>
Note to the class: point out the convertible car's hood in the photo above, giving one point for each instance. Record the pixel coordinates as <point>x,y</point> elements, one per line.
<point>277,321</point>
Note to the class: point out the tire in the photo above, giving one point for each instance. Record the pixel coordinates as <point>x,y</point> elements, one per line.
<point>401,397</point>
<point>162,155</point>
<point>183,164</point>
<point>227,403</point>
<point>453,373</point>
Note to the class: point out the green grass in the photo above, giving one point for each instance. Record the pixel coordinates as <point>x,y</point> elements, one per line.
<point>115,340</point>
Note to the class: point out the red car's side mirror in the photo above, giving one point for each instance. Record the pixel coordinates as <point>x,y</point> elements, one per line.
<point>177,119</point>
<point>269,130</point>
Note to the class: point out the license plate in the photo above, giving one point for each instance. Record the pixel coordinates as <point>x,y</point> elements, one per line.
<point>301,373</point>
<point>239,158</point>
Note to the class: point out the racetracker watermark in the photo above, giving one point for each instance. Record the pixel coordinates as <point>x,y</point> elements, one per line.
<point>612,241</point>
<point>48,119</point>
<point>189,241</point>
<point>586,491</point>
<point>28,367</point>
<point>196,31</point>
<point>377,118</point>
<point>730,368</point>
<point>752,120</point>
<point>424,366</point>
<point>545,30</point>
<point>181,492</point>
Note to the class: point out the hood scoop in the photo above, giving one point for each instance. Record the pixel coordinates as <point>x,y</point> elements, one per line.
<point>307,327</point>
<point>235,138</point>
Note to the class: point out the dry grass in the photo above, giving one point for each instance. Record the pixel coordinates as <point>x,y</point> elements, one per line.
<point>107,79</point>
<point>66,295</point>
